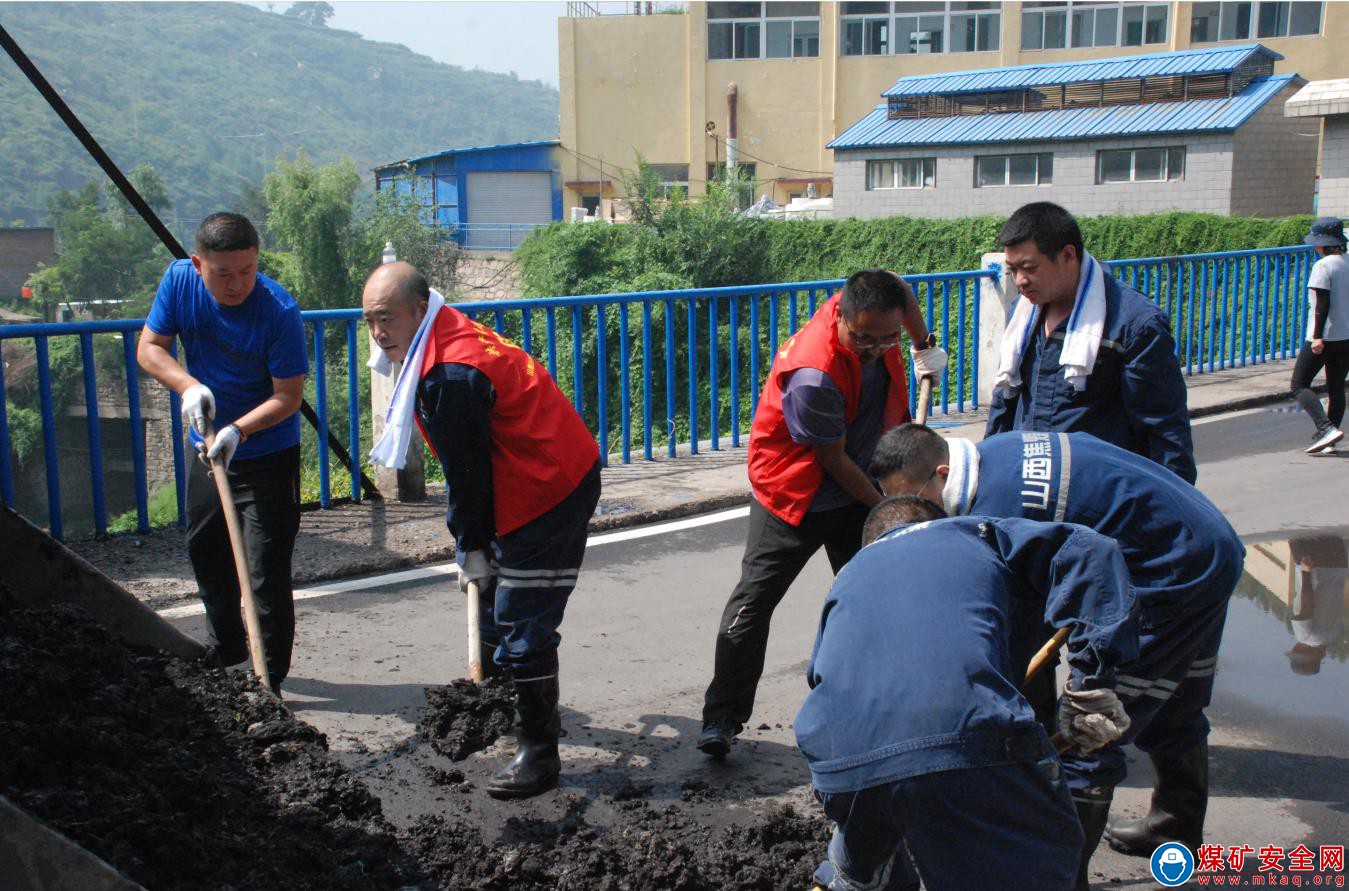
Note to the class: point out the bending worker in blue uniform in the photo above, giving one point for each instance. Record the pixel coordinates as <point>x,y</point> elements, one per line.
<point>914,726</point>
<point>1083,352</point>
<point>1184,561</point>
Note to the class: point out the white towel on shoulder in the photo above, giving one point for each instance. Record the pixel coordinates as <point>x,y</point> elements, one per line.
<point>1081,343</point>
<point>962,479</point>
<point>392,449</point>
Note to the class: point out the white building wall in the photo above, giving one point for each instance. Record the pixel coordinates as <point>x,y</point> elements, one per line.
<point>1334,164</point>
<point>1274,169</point>
<point>1206,186</point>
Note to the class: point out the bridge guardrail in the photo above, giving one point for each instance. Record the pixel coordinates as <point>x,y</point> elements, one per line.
<point>644,379</point>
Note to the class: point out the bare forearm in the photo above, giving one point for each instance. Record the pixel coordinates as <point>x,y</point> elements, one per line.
<point>270,412</point>
<point>847,474</point>
<point>916,325</point>
<point>160,365</point>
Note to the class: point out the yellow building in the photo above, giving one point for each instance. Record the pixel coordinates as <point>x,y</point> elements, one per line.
<point>803,72</point>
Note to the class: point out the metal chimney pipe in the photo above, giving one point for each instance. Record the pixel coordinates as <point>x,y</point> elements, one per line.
<point>732,142</point>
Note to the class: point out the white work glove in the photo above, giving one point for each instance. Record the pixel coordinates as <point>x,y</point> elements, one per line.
<point>475,567</point>
<point>198,408</point>
<point>1092,718</point>
<point>929,362</point>
<point>224,446</point>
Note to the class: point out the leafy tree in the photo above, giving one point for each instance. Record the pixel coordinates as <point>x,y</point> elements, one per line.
<point>316,14</point>
<point>396,217</point>
<point>312,214</point>
<point>105,251</point>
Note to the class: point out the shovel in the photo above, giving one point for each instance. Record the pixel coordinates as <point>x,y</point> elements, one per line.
<point>1060,740</point>
<point>474,635</point>
<point>924,399</point>
<point>251,622</point>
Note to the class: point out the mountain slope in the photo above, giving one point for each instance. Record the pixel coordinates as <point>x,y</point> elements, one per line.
<point>212,93</point>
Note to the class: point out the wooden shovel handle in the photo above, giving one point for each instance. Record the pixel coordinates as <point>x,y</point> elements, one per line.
<point>474,635</point>
<point>1051,647</point>
<point>251,621</point>
<point>924,399</point>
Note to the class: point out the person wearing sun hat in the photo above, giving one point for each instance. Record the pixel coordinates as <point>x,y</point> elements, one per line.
<point>1327,343</point>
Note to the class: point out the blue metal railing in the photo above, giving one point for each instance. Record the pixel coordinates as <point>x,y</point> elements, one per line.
<point>1227,309</point>
<point>689,364</point>
<point>492,236</point>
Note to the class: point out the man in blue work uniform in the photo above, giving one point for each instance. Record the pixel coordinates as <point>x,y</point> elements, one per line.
<point>1184,561</point>
<point>1083,352</point>
<point>246,362</point>
<point>914,726</point>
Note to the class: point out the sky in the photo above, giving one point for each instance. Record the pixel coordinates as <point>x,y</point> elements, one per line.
<point>497,36</point>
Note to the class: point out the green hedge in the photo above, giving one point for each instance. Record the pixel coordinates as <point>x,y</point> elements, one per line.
<point>566,259</point>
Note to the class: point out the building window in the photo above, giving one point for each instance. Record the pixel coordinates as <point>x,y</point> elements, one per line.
<point>908,173</point>
<point>1046,25</point>
<point>1014,170</point>
<point>718,171</point>
<point>1095,26</point>
<point>1144,165</point>
<point>903,28</point>
<point>763,30</point>
<point>673,177</point>
<point>744,174</point>
<point>1210,22</point>
<point>974,30</point>
<point>1144,24</point>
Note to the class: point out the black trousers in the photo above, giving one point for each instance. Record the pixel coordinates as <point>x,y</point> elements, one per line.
<point>267,494</point>
<point>1335,359</point>
<point>775,554</point>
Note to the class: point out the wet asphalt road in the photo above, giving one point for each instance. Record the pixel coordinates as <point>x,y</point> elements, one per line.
<point>637,654</point>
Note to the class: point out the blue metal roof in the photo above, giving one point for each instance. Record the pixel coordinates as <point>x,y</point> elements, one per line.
<point>1201,61</point>
<point>1190,116</point>
<point>465,151</point>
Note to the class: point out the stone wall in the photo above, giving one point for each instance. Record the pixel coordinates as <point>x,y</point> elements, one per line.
<point>484,275</point>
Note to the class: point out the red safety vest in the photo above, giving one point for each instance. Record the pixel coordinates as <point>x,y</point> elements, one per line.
<point>541,449</point>
<point>783,473</point>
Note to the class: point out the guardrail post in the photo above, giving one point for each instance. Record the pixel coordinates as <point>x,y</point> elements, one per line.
<point>408,484</point>
<point>996,295</point>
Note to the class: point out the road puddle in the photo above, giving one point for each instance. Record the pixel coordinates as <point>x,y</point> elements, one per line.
<point>1286,644</point>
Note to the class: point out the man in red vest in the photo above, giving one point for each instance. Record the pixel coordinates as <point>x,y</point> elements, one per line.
<point>834,388</point>
<point>522,478</point>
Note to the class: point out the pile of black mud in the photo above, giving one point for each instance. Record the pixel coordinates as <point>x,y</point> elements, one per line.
<point>187,777</point>
<point>179,775</point>
<point>647,849</point>
<point>463,717</point>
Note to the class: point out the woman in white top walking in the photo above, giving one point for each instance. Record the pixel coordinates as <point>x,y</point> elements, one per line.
<point>1327,343</point>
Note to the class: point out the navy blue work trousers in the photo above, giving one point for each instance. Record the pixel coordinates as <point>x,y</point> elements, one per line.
<point>1164,691</point>
<point>1002,826</point>
<point>539,563</point>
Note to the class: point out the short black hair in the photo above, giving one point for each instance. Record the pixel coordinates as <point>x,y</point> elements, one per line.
<point>897,510</point>
<point>910,449</point>
<point>226,232</point>
<point>1051,228</point>
<point>874,289</point>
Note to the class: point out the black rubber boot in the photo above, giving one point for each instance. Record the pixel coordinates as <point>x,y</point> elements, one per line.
<point>1179,801</point>
<point>1093,806</point>
<point>536,765</point>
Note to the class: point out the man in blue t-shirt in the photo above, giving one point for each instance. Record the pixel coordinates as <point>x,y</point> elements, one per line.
<point>246,362</point>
